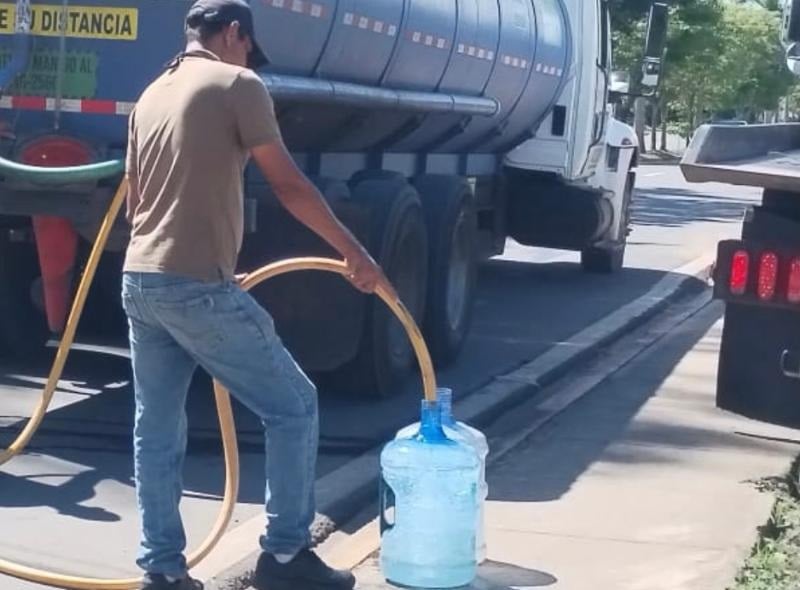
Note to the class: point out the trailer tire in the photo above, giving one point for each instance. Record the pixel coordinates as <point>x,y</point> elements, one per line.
<point>448,203</point>
<point>398,242</point>
<point>23,327</point>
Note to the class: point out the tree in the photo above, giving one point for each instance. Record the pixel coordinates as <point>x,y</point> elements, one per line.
<point>722,58</point>
<point>689,44</point>
<point>753,62</point>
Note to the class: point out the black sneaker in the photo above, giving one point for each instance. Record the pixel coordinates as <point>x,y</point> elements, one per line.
<point>305,572</point>
<point>159,582</point>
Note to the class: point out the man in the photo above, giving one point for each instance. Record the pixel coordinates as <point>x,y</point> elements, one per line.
<point>191,133</point>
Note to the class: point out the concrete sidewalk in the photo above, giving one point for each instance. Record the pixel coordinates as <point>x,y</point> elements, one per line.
<point>642,485</point>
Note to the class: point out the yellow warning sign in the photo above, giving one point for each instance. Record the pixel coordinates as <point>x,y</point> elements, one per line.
<point>87,22</point>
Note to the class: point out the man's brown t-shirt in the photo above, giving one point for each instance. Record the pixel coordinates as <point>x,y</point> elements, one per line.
<point>189,137</point>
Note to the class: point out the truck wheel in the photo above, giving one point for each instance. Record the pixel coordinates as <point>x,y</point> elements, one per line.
<point>452,227</point>
<point>611,259</point>
<point>603,260</point>
<point>23,327</point>
<point>398,242</point>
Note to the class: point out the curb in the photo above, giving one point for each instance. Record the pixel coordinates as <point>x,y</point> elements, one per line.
<point>343,492</point>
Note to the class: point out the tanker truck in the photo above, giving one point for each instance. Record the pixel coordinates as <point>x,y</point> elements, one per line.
<point>436,130</point>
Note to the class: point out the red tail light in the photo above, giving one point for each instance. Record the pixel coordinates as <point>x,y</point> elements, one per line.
<point>793,290</point>
<point>767,276</point>
<point>740,270</point>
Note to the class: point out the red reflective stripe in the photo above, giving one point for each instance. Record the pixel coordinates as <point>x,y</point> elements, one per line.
<point>89,106</point>
<point>100,107</point>
<point>29,103</point>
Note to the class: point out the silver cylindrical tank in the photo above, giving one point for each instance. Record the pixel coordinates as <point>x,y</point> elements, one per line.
<point>513,51</point>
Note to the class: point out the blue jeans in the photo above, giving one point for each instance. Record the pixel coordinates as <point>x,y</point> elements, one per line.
<point>177,324</point>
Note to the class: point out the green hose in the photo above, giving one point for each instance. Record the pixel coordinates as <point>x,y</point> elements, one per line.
<point>63,175</point>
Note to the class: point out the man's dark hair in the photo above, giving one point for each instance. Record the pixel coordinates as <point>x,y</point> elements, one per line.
<point>202,30</point>
<point>208,18</point>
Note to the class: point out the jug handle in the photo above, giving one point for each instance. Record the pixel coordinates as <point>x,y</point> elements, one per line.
<point>387,500</point>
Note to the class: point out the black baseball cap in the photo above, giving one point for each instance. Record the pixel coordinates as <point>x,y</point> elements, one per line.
<point>226,12</point>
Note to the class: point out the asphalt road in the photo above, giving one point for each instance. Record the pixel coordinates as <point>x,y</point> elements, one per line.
<point>68,504</point>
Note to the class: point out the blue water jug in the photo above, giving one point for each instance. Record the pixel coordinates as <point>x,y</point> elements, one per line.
<point>432,483</point>
<point>462,432</point>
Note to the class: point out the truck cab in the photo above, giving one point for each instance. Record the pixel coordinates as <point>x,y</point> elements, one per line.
<point>582,160</point>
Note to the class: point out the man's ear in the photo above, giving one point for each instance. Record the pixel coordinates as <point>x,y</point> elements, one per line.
<point>232,33</point>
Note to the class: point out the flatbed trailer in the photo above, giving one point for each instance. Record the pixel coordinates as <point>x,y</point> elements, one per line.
<point>757,276</point>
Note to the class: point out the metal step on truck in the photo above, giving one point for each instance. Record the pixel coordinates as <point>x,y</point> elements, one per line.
<point>758,276</point>
<point>436,129</point>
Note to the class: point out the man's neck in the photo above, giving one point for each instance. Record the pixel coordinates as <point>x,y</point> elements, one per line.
<point>197,46</point>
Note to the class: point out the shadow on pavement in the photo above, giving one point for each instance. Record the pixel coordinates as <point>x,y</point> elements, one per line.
<point>673,207</point>
<point>600,418</point>
<point>494,575</point>
<point>562,452</point>
<point>65,498</point>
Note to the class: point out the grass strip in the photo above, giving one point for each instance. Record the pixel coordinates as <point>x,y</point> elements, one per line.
<point>774,563</point>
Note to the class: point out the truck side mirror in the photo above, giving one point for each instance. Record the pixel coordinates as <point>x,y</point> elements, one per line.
<point>655,44</point>
<point>793,58</point>
<point>619,87</point>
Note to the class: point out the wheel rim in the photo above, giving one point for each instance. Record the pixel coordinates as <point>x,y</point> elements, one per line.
<point>458,274</point>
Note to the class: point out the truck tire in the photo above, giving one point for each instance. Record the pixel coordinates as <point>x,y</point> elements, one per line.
<point>450,215</point>
<point>398,242</point>
<point>603,260</point>
<point>23,327</point>
<point>611,259</point>
<point>319,340</point>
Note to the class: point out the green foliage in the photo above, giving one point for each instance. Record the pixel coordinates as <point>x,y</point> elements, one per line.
<point>627,14</point>
<point>724,58</point>
<point>774,563</point>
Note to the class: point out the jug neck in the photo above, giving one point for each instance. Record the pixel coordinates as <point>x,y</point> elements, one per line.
<point>430,429</point>
<point>445,399</point>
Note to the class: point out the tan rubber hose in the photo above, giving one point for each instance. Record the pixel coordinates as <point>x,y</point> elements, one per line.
<point>222,396</point>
